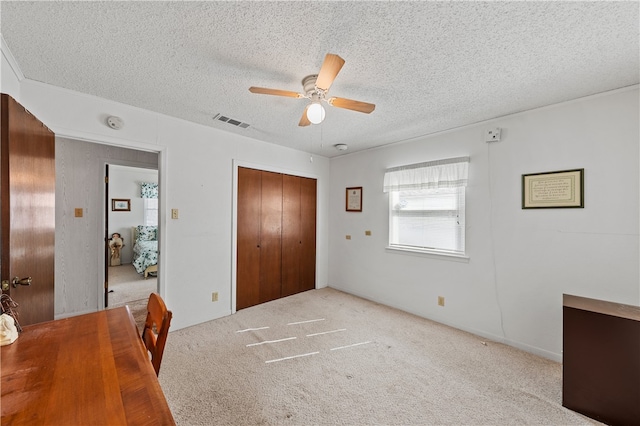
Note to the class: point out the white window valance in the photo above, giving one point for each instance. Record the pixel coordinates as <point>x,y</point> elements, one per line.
<point>149,190</point>
<point>448,173</point>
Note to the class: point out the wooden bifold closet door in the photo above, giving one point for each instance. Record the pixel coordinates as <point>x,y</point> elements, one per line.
<point>276,236</point>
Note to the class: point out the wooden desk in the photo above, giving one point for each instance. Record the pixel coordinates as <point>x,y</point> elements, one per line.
<point>86,370</point>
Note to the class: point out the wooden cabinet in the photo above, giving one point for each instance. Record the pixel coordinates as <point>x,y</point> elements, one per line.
<point>601,360</point>
<point>276,236</point>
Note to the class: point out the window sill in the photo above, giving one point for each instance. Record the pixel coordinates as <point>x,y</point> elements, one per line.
<point>434,254</point>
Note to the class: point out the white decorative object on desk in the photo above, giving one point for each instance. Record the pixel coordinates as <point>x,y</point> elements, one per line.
<point>8,330</point>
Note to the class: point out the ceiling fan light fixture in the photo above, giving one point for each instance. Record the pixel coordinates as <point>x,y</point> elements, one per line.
<point>316,87</point>
<point>315,113</point>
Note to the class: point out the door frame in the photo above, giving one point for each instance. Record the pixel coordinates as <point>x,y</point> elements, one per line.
<point>105,211</point>
<point>234,214</point>
<point>162,152</point>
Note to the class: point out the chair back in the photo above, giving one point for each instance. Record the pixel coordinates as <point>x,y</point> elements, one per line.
<point>156,329</point>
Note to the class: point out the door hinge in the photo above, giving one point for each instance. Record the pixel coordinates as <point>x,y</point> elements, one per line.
<point>106,179</point>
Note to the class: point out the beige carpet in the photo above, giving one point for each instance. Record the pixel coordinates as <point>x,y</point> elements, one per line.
<point>324,357</point>
<point>130,288</point>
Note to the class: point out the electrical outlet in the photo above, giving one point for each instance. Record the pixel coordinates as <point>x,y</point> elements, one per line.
<point>174,213</point>
<point>440,301</point>
<point>348,237</point>
<point>214,296</point>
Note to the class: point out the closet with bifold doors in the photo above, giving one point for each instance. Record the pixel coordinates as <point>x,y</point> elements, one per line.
<point>276,243</point>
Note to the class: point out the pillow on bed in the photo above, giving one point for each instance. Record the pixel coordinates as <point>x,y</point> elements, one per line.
<point>147,233</point>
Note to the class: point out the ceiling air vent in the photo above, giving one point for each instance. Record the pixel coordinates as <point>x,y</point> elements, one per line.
<point>220,117</point>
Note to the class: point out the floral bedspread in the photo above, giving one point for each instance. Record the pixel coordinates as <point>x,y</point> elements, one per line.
<point>145,253</point>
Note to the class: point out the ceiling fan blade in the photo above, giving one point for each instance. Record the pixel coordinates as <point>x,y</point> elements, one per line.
<point>304,121</point>
<point>330,68</point>
<point>351,104</point>
<point>276,92</point>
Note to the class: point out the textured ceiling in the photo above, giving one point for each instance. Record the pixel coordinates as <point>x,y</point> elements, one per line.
<point>428,66</point>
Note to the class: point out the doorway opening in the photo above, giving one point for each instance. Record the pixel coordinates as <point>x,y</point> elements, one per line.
<point>131,226</point>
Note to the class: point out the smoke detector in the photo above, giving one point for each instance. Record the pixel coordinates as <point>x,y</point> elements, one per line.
<point>115,123</point>
<point>341,147</point>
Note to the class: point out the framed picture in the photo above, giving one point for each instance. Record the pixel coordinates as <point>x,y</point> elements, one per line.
<point>354,199</point>
<point>120,205</point>
<point>562,189</point>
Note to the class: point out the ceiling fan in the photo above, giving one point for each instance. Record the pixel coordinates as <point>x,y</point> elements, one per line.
<point>316,87</point>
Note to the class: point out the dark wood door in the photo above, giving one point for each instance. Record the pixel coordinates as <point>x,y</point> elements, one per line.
<point>271,237</point>
<point>291,236</point>
<point>276,236</point>
<point>259,246</point>
<point>27,170</point>
<point>308,234</point>
<point>248,239</point>
<point>298,234</point>
<point>107,249</point>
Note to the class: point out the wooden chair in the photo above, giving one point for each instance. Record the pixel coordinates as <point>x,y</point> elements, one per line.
<point>156,329</point>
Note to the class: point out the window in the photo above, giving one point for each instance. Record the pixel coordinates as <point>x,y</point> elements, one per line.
<point>427,206</point>
<point>149,194</point>
<point>150,211</point>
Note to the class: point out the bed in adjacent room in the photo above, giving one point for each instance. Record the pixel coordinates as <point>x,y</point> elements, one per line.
<point>145,249</point>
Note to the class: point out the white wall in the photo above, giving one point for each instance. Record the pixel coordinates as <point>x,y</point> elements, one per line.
<point>10,74</point>
<point>124,183</point>
<point>520,261</point>
<point>196,177</point>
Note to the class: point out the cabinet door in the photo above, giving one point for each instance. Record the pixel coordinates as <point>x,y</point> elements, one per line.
<point>291,236</point>
<point>308,234</point>
<point>271,237</point>
<point>248,244</point>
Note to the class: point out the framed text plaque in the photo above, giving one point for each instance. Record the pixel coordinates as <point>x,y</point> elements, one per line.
<point>562,189</point>
<point>354,199</point>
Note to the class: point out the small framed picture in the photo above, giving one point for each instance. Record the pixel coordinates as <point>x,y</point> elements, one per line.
<point>120,205</point>
<point>354,199</point>
<point>562,189</point>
